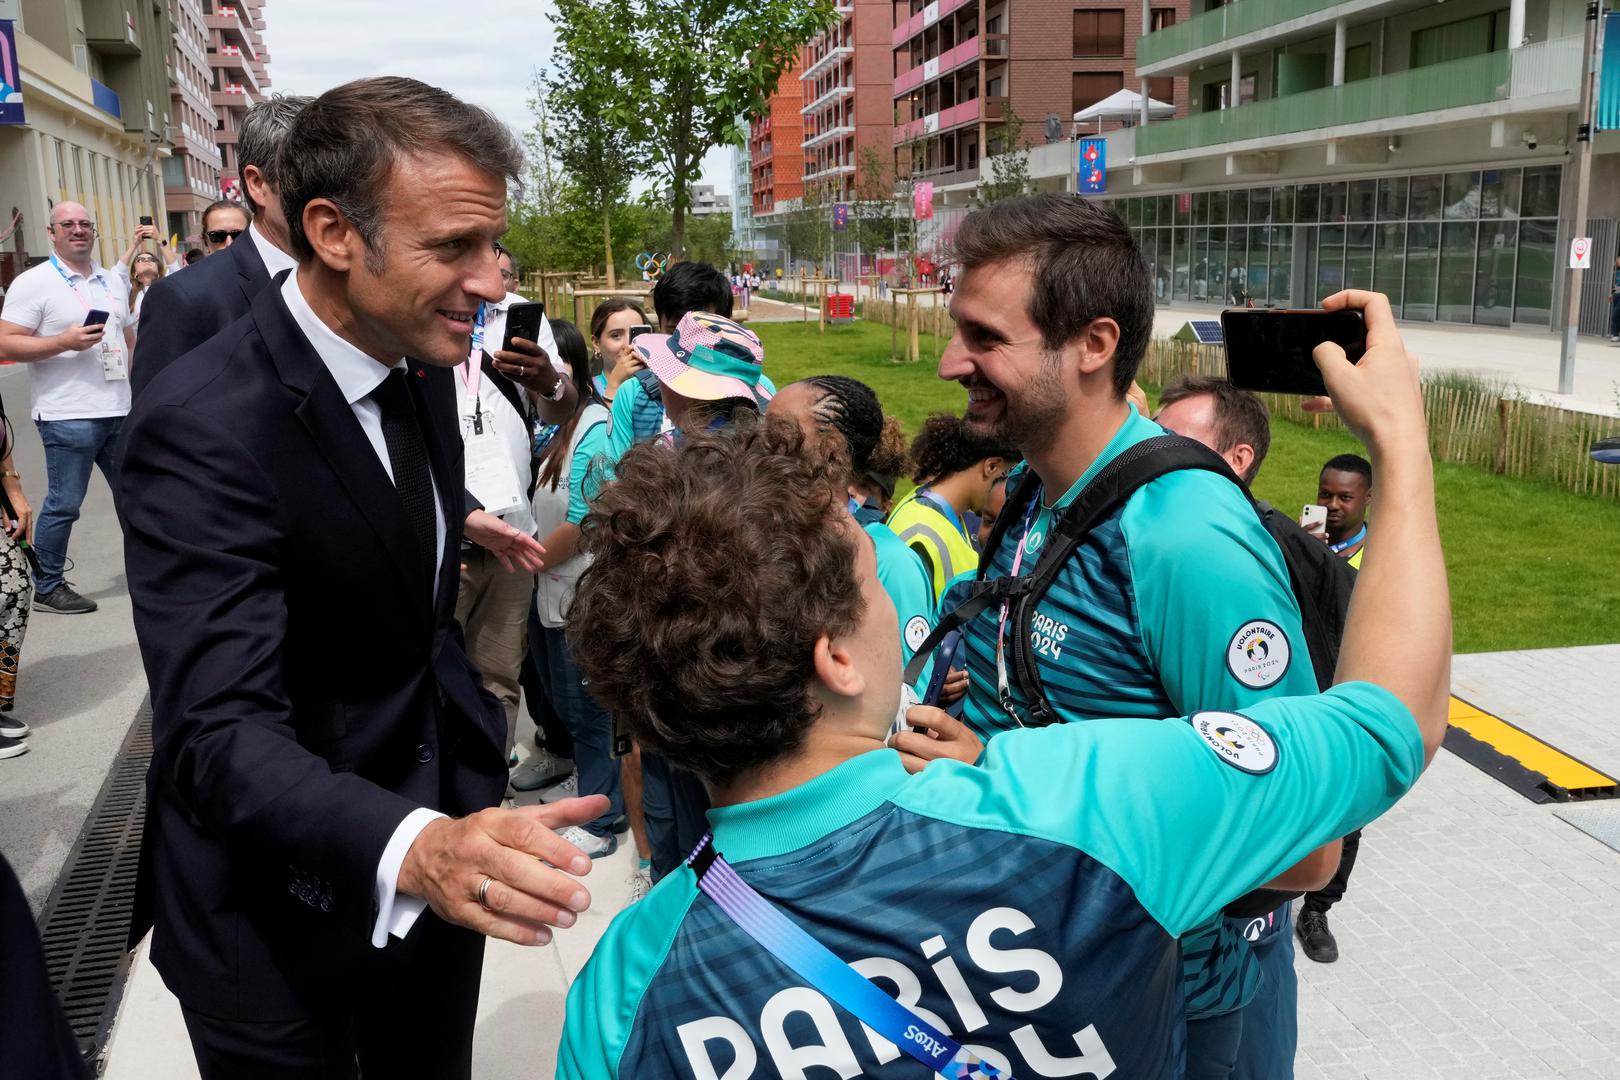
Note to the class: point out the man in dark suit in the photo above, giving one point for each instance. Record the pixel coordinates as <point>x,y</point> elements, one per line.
<point>186,309</point>
<point>325,760</point>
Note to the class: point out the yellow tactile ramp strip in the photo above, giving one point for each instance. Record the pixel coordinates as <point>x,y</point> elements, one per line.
<point>1529,751</point>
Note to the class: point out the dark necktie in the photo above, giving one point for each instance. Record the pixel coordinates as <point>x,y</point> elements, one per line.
<point>407,456</point>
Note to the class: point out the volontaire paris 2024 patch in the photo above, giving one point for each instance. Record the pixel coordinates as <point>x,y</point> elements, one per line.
<point>1237,740</point>
<point>1258,654</point>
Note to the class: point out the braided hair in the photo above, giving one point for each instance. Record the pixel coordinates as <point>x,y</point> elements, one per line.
<point>946,445</point>
<point>877,446</point>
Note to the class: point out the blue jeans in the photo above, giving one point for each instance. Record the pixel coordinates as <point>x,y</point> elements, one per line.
<point>1614,315</point>
<point>71,448</point>
<point>1271,1020</point>
<point>587,722</point>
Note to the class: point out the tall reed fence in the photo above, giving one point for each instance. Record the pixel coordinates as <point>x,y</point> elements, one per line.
<point>1472,421</point>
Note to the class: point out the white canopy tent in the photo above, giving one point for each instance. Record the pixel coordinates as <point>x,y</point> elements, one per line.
<point>1121,105</point>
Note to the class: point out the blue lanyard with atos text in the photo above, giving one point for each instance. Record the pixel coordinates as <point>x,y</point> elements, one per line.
<point>1343,545</point>
<point>821,968</point>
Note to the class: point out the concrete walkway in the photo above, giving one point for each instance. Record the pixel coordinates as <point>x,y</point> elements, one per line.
<point>1479,938</point>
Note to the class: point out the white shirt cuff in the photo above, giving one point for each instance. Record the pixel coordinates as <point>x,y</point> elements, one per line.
<point>396,914</point>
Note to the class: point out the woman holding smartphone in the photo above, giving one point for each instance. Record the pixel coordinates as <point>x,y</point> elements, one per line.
<point>614,360</point>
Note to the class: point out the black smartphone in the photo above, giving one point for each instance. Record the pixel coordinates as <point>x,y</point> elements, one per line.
<point>523,321</point>
<point>944,657</point>
<point>95,317</point>
<point>1270,351</point>
<point>146,219</point>
<point>639,329</point>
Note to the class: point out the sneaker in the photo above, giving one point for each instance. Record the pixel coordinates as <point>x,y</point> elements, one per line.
<point>596,847</point>
<point>12,729</point>
<point>621,825</point>
<point>640,883</point>
<point>64,601</point>
<point>12,747</point>
<point>1315,937</point>
<point>543,768</point>
<point>567,788</point>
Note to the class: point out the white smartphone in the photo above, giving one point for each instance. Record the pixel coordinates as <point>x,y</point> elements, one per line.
<point>1313,517</point>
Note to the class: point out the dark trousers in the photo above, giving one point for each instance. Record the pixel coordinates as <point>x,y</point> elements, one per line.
<point>1614,315</point>
<point>537,695</point>
<point>1271,1019</point>
<point>1333,891</point>
<point>588,723</point>
<point>1212,1046</point>
<point>415,1023</point>
<point>677,806</point>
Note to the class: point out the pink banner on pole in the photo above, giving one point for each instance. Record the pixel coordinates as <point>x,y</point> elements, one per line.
<point>923,201</point>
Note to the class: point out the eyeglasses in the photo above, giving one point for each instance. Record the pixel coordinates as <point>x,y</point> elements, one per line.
<point>219,236</point>
<point>507,275</point>
<point>76,226</point>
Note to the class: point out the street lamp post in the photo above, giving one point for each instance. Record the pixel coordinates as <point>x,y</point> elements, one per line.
<point>1583,184</point>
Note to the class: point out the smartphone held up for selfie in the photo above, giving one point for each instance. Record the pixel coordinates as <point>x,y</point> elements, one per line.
<point>1269,351</point>
<point>1313,517</point>
<point>523,321</point>
<point>639,329</point>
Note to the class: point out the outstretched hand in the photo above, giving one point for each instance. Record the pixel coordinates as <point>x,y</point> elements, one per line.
<point>1380,399</point>
<point>515,549</point>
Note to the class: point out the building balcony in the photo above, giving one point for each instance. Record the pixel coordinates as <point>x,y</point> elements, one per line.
<point>229,21</point>
<point>837,93</point>
<point>230,96</point>
<point>1247,24</point>
<point>827,135</point>
<point>236,66</point>
<point>968,112</point>
<point>106,99</point>
<point>1540,77</point>
<point>950,177</point>
<point>830,171</point>
<point>925,18</point>
<point>966,53</point>
<point>109,28</point>
<point>835,55</point>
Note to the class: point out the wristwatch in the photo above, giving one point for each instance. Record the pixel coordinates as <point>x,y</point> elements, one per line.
<point>557,391</point>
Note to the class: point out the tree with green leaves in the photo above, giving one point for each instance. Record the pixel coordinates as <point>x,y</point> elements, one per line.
<point>599,150</point>
<point>873,215</point>
<point>685,70</point>
<point>1009,163</point>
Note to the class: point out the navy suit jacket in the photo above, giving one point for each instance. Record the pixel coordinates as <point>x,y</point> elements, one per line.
<point>307,690</point>
<point>184,309</point>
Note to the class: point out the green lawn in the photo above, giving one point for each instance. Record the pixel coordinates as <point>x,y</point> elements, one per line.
<point>1531,566</point>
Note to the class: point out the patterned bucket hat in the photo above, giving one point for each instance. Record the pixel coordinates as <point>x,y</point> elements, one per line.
<point>707,358</point>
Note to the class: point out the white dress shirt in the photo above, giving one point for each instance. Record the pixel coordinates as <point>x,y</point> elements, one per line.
<point>275,260</point>
<point>357,375</point>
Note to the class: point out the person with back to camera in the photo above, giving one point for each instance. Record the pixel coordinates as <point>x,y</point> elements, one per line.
<point>1015,917</point>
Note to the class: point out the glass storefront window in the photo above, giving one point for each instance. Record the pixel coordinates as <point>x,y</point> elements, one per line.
<point>1162,266</point>
<point>1199,262</point>
<point>1260,206</point>
<point>1358,256</point>
<point>1462,197</point>
<point>1499,194</point>
<point>1541,192</point>
<point>1422,262</point>
<point>1217,208</point>
<point>1457,240</point>
<point>1532,294</point>
<point>1215,267</point>
<point>1236,278</point>
<point>1363,200</point>
<point>1238,201</point>
<point>1201,208</point>
<point>1150,217</point>
<point>1493,273</point>
<point>1133,212</point>
<point>1281,275</point>
<point>1389,262</point>
<point>1183,260</point>
<point>1330,261</point>
<point>1282,205</point>
<point>1183,204</point>
<point>1427,197</point>
<point>1333,202</point>
<point>1392,198</point>
<point>1307,200</point>
<point>1165,202</point>
<point>1258,277</point>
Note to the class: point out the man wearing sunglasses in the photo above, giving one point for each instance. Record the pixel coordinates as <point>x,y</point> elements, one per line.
<point>223,222</point>
<point>68,319</point>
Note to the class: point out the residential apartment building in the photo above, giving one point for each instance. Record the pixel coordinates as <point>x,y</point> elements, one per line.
<point>238,58</point>
<point>963,67</point>
<point>742,197</point>
<point>191,174</point>
<point>775,153</point>
<point>848,105</point>
<point>87,120</point>
<point>1419,149</point>
<point>706,202</point>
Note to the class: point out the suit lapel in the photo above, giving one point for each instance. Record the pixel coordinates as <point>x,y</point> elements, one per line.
<point>332,426</point>
<point>251,273</point>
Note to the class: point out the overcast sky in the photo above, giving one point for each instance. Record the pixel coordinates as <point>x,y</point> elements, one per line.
<point>485,52</point>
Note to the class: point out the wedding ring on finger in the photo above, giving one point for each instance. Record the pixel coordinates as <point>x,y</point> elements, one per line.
<point>483,892</point>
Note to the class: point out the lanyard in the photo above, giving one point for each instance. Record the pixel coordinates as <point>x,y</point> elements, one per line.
<point>1352,542</point>
<point>68,280</point>
<point>821,968</point>
<point>472,372</point>
<point>945,510</point>
<point>1003,686</point>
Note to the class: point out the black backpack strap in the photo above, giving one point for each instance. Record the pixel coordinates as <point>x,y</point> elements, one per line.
<point>1136,466</point>
<point>1012,508</point>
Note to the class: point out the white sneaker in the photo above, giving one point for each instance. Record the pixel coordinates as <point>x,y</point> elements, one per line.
<point>640,883</point>
<point>567,788</point>
<point>595,846</point>
<point>542,768</point>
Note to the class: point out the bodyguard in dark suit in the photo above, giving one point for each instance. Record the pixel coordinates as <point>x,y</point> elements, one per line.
<point>185,309</point>
<point>325,759</point>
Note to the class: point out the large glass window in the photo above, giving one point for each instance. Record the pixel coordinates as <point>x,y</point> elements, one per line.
<point>1422,268</point>
<point>1392,198</point>
<point>1162,265</point>
<point>1217,208</point>
<point>1258,275</point>
<point>1282,205</point>
<point>1358,256</point>
<point>1260,205</point>
<point>1499,193</point>
<point>1183,259</point>
<point>1099,32</point>
<point>1281,274</point>
<point>1333,202</point>
<point>1532,294</point>
<point>1493,273</point>
<point>1363,200</point>
<point>1330,261</point>
<point>1462,196</point>
<point>1215,267</point>
<point>1541,192</point>
<point>1389,262</point>
<point>1457,242</point>
<point>1238,201</point>
<point>1200,263</point>
<point>1428,196</point>
<point>1306,202</point>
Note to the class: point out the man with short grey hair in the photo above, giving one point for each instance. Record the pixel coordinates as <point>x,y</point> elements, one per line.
<point>181,312</point>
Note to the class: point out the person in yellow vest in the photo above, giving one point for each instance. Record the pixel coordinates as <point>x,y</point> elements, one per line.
<point>956,470</point>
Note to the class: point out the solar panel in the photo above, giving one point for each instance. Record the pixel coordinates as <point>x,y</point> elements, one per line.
<point>1202,331</point>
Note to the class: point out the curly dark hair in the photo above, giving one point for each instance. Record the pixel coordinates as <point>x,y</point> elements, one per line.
<point>680,625</point>
<point>946,445</point>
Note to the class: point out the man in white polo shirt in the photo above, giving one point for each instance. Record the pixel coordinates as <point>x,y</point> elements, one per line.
<point>80,382</point>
